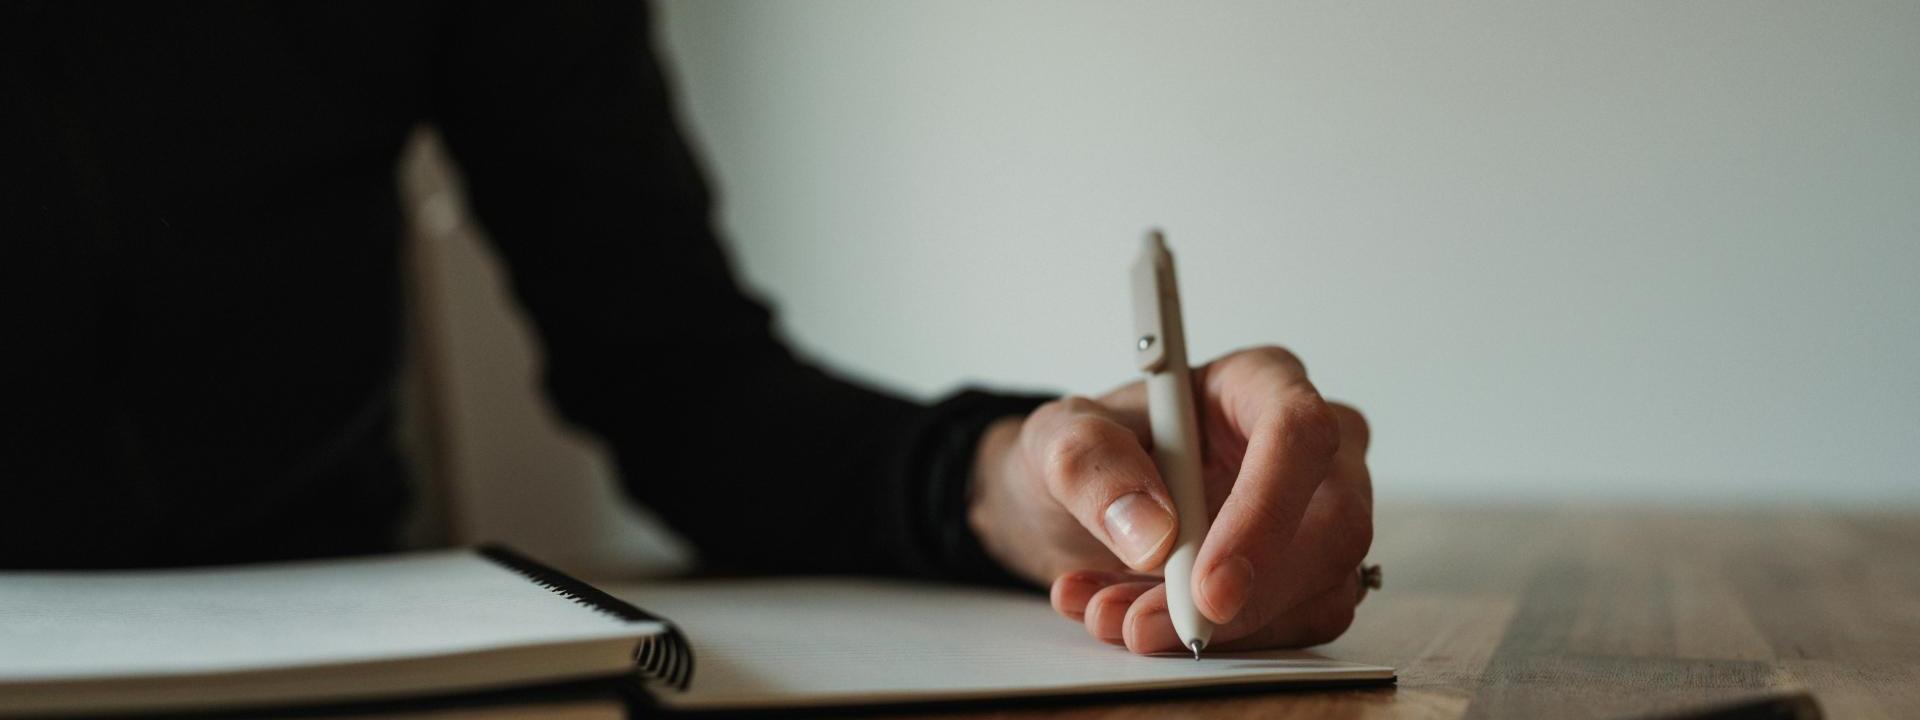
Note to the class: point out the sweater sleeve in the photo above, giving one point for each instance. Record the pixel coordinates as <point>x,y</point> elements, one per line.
<point>559,117</point>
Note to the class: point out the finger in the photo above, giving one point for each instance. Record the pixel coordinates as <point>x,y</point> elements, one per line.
<point>1334,534</point>
<point>1107,609</point>
<point>1148,629</point>
<point>1333,537</point>
<point>1350,462</point>
<point>1097,468</point>
<point>1332,541</point>
<point>1292,435</point>
<point>1072,590</point>
<point>1316,621</point>
<point>1355,434</point>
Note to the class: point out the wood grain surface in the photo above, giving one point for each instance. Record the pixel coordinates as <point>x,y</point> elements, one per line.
<point>1614,613</point>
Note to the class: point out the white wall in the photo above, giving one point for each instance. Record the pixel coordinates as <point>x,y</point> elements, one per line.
<point>1642,251</point>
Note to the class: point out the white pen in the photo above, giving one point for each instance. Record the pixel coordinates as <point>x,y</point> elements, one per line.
<point>1160,347</point>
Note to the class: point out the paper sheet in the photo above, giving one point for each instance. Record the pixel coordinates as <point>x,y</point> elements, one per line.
<point>760,643</point>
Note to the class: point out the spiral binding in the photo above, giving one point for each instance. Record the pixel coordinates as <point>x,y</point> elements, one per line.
<point>667,658</point>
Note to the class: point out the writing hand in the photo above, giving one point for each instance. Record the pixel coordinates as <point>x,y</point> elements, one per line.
<point>1069,496</point>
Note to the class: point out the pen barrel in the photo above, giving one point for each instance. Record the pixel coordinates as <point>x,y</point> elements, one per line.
<point>1176,452</point>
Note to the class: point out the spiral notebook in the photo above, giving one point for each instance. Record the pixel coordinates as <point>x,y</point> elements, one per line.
<point>315,633</point>
<point>479,629</point>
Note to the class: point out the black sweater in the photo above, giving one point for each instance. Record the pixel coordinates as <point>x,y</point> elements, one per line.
<point>200,271</point>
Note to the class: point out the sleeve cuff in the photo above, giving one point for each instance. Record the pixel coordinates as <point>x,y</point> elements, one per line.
<point>937,474</point>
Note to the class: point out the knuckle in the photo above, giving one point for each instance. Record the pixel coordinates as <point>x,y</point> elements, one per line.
<point>1352,422</point>
<point>1310,427</point>
<point>1077,405</point>
<point>1049,418</point>
<point>1078,450</point>
<point>1048,413</point>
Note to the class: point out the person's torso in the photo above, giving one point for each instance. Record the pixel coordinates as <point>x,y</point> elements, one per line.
<point>200,272</point>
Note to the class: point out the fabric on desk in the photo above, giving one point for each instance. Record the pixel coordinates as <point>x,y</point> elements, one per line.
<point>202,291</point>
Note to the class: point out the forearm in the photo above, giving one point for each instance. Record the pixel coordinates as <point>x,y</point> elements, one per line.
<point>769,466</point>
<point>788,469</point>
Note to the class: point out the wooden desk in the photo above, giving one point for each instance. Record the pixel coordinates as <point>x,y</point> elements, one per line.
<point>1538,613</point>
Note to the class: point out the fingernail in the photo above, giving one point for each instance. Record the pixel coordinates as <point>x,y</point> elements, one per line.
<point>1152,633</point>
<point>1107,620</point>
<point>1225,587</point>
<point>1138,526</point>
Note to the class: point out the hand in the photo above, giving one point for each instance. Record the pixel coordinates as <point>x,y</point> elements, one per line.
<point>1069,496</point>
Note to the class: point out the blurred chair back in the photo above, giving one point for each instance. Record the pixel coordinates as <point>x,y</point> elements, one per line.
<point>492,460</point>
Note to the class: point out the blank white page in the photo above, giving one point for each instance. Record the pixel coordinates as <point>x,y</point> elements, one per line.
<point>798,642</point>
<point>80,625</point>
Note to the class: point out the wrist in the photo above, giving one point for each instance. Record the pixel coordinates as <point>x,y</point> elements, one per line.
<point>989,498</point>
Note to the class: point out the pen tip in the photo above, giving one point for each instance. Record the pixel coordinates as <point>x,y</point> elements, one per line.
<point>1156,240</point>
<point>1196,645</point>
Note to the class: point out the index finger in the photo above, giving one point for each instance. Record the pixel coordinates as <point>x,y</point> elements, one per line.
<point>1291,437</point>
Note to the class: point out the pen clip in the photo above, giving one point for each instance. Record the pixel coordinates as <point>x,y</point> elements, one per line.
<point>1154,306</point>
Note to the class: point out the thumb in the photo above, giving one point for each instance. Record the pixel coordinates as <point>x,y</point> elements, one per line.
<point>1098,470</point>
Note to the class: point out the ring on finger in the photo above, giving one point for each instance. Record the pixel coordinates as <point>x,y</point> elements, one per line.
<point>1369,580</point>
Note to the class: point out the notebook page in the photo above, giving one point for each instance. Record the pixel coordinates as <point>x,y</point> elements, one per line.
<point>841,642</point>
<point>75,625</point>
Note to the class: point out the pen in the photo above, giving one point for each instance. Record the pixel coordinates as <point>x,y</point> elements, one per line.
<point>1160,348</point>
